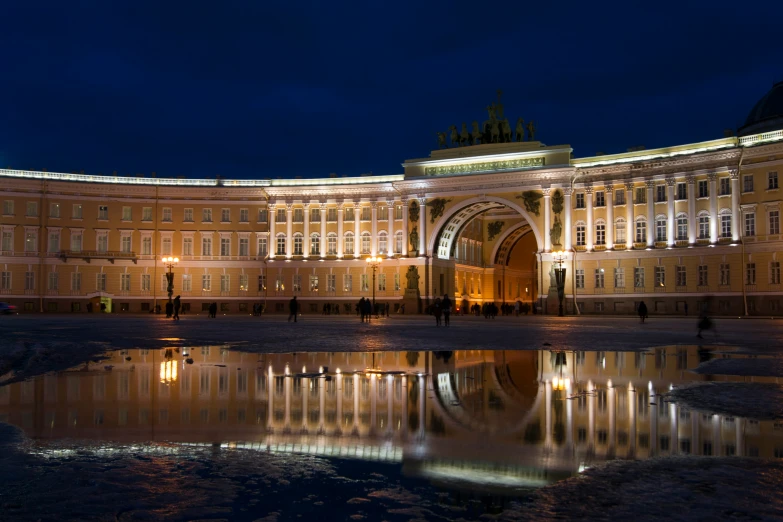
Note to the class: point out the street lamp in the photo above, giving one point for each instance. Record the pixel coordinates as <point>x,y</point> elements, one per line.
<point>560,274</point>
<point>374,262</point>
<point>170,262</point>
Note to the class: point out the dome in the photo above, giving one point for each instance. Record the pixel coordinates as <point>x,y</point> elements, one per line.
<point>767,114</point>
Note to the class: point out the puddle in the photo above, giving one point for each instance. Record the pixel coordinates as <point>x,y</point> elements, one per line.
<point>466,424</point>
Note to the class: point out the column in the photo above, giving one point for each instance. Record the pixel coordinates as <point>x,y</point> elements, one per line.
<point>630,226</point>
<point>713,208</point>
<point>547,221</point>
<point>357,238</point>
<point>609,197</point>
<point>340,392</point>
<point>670,224</point>
<point>650,214</point>
<point>735,213</point>
<point>548,415</point>
<point>374,239</point>
<point>692,219</point>
<point>306,241</point>
<point>289,230</point>
<point>390,228</point>
<point>590,226</point>
<point>404,227</point>
<point>323,230</point>
<point>423,226</point>
<point>270,387</point>
<point>340,238</point>
<point>272,246</point>
<point>567,225</point>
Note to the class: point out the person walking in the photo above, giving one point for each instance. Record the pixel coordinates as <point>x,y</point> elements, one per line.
<point>177,306</point>
<point>705,323</point>
<point>446,304</point>
<point>437,311</point>
<point>293,308</point>
<point>642,311</point>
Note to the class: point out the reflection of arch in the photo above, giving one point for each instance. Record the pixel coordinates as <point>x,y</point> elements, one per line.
<point>448,227</point>
<point>504,246</point>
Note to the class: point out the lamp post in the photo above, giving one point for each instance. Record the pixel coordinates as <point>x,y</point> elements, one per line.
<point>560,274</point>
<point>169,262</point>
<point>374,262</point>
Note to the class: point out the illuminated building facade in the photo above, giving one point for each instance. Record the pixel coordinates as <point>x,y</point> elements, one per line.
<point>695,224</point>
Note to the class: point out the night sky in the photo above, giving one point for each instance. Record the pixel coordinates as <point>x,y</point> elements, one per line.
<point>283,89</point>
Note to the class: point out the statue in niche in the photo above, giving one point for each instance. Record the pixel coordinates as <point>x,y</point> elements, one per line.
<point>437,205</point>
<point>557,230</point>
<point>520,130</point>
<point>442,140</point>
<point>557,202</point>
<point>414,211</point>
<point>532,201</point>
<point>531,131</point>
<point>413,278</point>
<point>493,229</point>
<point>414,239</point>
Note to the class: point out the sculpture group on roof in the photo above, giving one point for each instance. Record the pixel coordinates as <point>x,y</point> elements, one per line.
<point>496,129</point>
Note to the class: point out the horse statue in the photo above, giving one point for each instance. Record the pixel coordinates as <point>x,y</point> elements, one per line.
<point>531,131</point>
<point>506,131</point>
<point>520,129</point>
<point>494,131</point>
<point>476,134</point>
<point>442,140</point>
<point>464,136</point>
<point>454,136</point>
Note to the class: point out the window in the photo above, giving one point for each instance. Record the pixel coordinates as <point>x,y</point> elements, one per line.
<point>682,191</point>
<point>704,226</point>
<point>580,278</point>
<point>280,251</point>
<point>298,215</point>
<point>397,282</point>
<point>772,180</point>
<point>5,281</point>
<point>280,217</point>
<point>383,213</point>
<point>206,246</point>
<point>600,233</point>
<point>619,277</point>
<point>188,216</point>
<point>725,274</point>
<point>244,246</point>
<point>381,282</point>
<point>263,247</point>
<point>146,246</point>
<point>600,201</point>
<point>704,190</point>
<point>641,195</point>
<point>725,225</point>
<point>100,282</point>
<point>349,214</point>
<point>225,246</point>
<point>31,241</point>
<point>243,282</point>
<point>262,283</point>
<point>297,283</point>
<point>750,224</point>
<point>8,207</point>
<point>347,283</point>
<point>331,244</point>
<point>703,275</point>
<point>125,282</point>
<point>747,183</point>
<point>365,283</point>
<point>638,277</point>
<point>225,215</point>
<point>313,283</point>
<point>619,231</point>
<point>682,227</point>
<point>244,215</point>
<point>263,215</point>
<point>315,215</point>
<point>206,283</point>
<point>187,246</point>
<point>725,186</point>
<point>750,274</point>
<point>32,209</point>
<point>103,242</point>
<point>206,215</point>
<point>315,244</point>
<point>660,276</point>
<point>54,280</point>
<point>383,243</point>
<point>76,212</point>
<point>641,230</point>
<point>366,213</point>
<point>125,244</point>
<point>146,214</point>
<point>365,242</point>
<point>580,234</point>
<point>599,277</point>
<point>103,213</point>
<point>167,215</point>
<point>279,283</point>
<point>619,197</point>
<point>54,241</point>
<point>349,243</point>
<point>8,241</point>
<point>76,281</point>
<point>774,273</point>
<point>29,280</point>
<point>54,210</point>
<point>680,279</point>
<point>580,200</point>
<point>331,282</point>
<point>298,244</point>
<point>660,191</point>
<point>398,238</point>
<point>774,222</point>
<point>145,282</point>
<point>166,246</point>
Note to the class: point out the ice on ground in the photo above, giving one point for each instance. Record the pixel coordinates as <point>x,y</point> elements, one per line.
<point>753,400</point>
<point>762,367</point>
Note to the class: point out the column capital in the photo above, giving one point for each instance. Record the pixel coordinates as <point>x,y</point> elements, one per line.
<point>629,185</point>
<point>374,204</point>
<point>589,189</point>
<point>608,187</point>
<point>546,192</point>
<point>712,176</point>
<point>567,191</point>
<point>734,173</point>
<point>289,207</point>
<point>340,205</point>
<point>422,199</point>
<point>322,205</point>
<point>390,202</point>
<point>649,184</point>
<point>670,182</point>
<point>691,180</point>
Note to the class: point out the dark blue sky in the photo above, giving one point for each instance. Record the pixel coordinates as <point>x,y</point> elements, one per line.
<point>283,89</point>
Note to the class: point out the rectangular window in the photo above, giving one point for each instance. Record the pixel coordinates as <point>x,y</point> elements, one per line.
<point>619,277</point>
<point>76,281</point>
<point>600,234</point>
<point>103,213</point>
<point>397,282</point>
<point>298,215</point>
<point>383,213</point>
<point>349,244</point>
<point>641,231</point>
<point>366,213</point>
<point>206,283</point>
<point>365,243</point>
<point>103,242</point>
<point>146,214</point>
<point>747,183</point>
<point>580,278</point>
<point>331,245</point>
<point>349,214</point>
<point>638,277</point>
<point>398,212</point>
<point>660,191</point>
<point>188,215</point>
<point>125,244</point>
<point>772,180</point>
<point>32,209</point>
<point>313,283</point>
<point>165,247</point>
<point>725,274</point>
<point>725,225</point>
<point>660,229</point>
<point>279,283</point>
<point>297,283</point>
<point>187,282</point>
<point>704,227</point>
<point>125,282</point>
<point>146,281</point>
<point>167,215</point>
<point>774,222</point>
<point>244,246</point>
<point>641,195</point>
<point>187,246</point>
<point>347,283</point>
<point>54,241</point>
<point>774,273</point>
<point>8,241</point>
<point>750,224</point>
<point>280,246</point>
<point>331,215</point>
<point>263,247</point>
<point>680,278</point>
<point>331,283</point>
<point>243,282</point>
<point>29,280</point>
<point>225,246</point>
<point>5,281</point>
<point>244,215</point>
<point>54,210</point>
<point>206,246</point>
<point>703,281</point>
<point>100,282</point>
<point>725,186</point>
<point>263,215</point>
<point>315,215</point>
<point>750,274</point>
<point>8,207</point>
<point>262,283</point>
<point>580,235</point>
<point>31,241</point>
<point>280,216</point>
<point>225,215</point>
<point>682,228</point>
<point>76,212</point>
<point>682,191</point>
<point>580,200</point>
<point>54,280</point>
<point>600,200</point>
<point>146,246</point>
<point>365,282</point>
<point>619,197</point>
<point>298,245</point>
<point>381,282</point>
<point>704,188</point>
<point>206,215</point>
<point>660,276</point>
<point>599,277</point>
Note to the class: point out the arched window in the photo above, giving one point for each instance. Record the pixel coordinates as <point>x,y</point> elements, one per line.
<point>298,244</point>
<point>580,233</point>
<point>725,222</point>
<point>383,243</point>
<point>365,242</point>
<point>398,238</point>
<point>619,231</point>
<point>315,244</point>
<point>682,226</point>
<point>600,232</point>
<point>349,243</point>
<point>641,229</point>
<point>331,244</point>
<point>280,242</point>
<point>704,224</point>
<point>660,227</point>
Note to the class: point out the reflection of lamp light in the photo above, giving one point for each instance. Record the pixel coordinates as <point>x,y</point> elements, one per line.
<point>168,372</point>
<point>560,273</point>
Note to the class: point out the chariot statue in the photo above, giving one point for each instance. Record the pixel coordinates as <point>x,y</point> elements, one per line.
<point>520,130</point>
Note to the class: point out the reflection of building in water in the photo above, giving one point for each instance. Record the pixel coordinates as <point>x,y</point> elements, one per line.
<point>503,417</point>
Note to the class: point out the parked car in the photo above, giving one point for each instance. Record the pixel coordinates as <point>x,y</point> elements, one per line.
<point>6,308</point>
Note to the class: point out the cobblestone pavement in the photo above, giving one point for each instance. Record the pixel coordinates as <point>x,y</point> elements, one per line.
<point>325,333</point>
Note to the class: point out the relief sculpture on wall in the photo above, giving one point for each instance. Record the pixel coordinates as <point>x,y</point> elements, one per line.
<point>532,200</point>
<point>437,205</point>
